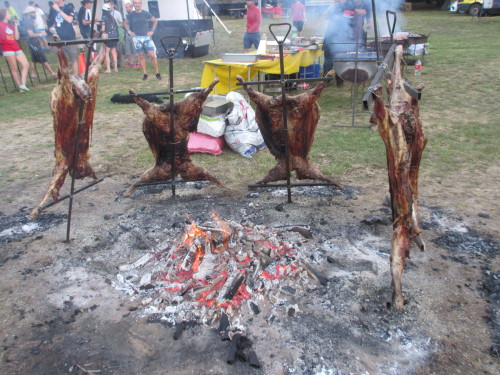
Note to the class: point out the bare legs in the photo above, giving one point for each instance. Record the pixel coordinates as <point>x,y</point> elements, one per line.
<point>114,58</point>
<point>25,65</point>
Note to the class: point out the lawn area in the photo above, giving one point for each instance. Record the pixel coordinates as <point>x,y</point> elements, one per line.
<point>459,108</point>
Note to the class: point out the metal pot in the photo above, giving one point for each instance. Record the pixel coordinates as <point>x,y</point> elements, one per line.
<point>356,67</point>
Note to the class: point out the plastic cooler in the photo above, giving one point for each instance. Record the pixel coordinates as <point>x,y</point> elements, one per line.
<point>311,71</point>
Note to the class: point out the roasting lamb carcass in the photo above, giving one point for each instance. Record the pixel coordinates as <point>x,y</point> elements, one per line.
<point>303,113</point>
<point>69,93</point>
<point>156,129</point>
<point>401,130</point>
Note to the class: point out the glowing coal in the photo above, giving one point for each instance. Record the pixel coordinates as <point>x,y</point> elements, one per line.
<point>213,268</point>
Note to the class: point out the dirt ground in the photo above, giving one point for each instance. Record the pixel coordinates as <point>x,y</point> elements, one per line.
<point>61,312</point>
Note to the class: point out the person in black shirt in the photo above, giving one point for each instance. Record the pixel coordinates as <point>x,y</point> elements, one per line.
<point>109,29</point>
<point>63,27</point>
<point>84,18</point>
<point>141,25</point>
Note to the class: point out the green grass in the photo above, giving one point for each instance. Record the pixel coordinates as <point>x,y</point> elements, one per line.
<point>459,106</point>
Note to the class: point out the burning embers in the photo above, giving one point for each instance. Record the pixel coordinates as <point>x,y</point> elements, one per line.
<point>214,269</point>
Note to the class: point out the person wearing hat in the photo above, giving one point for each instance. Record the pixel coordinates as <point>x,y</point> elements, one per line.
<point>34,42</point>
<point>63,27</point>
<point>252,35</point>
<point>84,18</point>
<point>109,29</point>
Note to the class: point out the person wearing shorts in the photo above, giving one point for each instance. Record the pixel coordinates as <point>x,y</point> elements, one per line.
<point>109,29</point>
<point>298,16</point>
<point>141,25</point>
<point>35,43</point>
<point>252,35</point>
<point>11,50</point>
<point>63,27</point>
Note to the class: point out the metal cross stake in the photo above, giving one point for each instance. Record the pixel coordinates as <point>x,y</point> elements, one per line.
<point>88,42</point>
<point>283,81</point>
<point>170,51</point>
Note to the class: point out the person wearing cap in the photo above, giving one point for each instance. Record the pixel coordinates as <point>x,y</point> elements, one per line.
<point>84,18</point>
<point>252,35</point>
<point>11,50</point>
<point>34,42</point>
<point>63,27</point>
<point>109,29</point>
<point>141,25</point>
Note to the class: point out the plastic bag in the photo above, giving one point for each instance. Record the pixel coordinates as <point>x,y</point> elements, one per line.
<point>242,132</point>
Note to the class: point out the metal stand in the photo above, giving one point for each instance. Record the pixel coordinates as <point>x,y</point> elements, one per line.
<point>283,81</point>
<point>88,42</point>
<point>170,51</point>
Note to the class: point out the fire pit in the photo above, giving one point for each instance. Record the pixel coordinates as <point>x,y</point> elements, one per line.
<point>213,269</point>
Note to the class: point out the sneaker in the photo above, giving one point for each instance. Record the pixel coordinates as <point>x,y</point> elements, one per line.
<point>23,88</point>
<point>158,76</point>
<point>129,66</point>
<point>137,66</point>
<point>145,77</point>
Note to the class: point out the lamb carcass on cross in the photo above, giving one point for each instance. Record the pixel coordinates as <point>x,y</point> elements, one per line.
<point>303,114</point>
<point>400,127</point>
<point>70,92</point>
<point>156,129</point>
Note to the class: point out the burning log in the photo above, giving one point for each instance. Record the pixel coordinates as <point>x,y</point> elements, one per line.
<point>303,113</point>
<point>70,92</point>
<point>401,130</point>
<point>156,129</point>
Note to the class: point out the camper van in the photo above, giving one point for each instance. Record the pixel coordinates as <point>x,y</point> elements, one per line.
<point>479,7</point>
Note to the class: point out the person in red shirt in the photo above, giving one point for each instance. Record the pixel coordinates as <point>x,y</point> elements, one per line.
<point>11,50</point>
<point>298,16</point>
<point>252,35</point>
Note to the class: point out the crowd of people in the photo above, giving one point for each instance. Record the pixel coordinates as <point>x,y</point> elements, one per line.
<point>134,33</point>
<point>33,26</point>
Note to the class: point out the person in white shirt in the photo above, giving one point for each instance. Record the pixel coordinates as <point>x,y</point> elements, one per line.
<point>40,23</point>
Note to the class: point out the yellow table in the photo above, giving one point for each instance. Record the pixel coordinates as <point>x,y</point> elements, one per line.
<point>227,72</point>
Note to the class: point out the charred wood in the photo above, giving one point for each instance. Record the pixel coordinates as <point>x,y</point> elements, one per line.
<point>233,349</point>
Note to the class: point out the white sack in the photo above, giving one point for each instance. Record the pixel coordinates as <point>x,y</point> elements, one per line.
<point>242,132</point>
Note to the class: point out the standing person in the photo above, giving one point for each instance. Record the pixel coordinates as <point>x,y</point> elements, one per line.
<point>51,18</point>
<point>40,23</point>
<point>119,21</point>
<point>252,35</point>
<point>84,18</point>
<point>63,27</point>
<point>109,29</point>
<point>34,42</point>
<point>339,34</point>
<point>362,12</point>
<point>298,16</point>
<point>11,50</point>
<point>12,11</point>
<point>141,25</point>
<point>128,42</point>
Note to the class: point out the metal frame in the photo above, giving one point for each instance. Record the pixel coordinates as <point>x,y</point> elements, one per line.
<point>171,92</point>
<point>283,82</point>
<point>88,42</point>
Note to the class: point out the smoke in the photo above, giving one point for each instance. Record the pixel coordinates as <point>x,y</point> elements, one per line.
<point>347,32</point>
